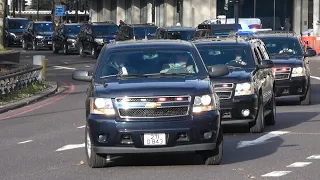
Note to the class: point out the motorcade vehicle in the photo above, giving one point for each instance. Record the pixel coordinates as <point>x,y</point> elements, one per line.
<point>175,32</point>
<point>13,31</point>
<point>136,31</point>
<point>151,96</point>
<point>220,30</point>
<point>65,38</point>
<point>38,35</point>
<point>247,93</point>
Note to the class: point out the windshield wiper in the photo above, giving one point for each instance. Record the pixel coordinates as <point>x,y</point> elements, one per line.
<point>123,76</point>
<point>234,67</point>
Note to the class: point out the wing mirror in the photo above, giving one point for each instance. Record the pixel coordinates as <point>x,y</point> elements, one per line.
<point>81,75</point>
<point>266,64</point>
<point>310,52</point>
<point>218,71</point>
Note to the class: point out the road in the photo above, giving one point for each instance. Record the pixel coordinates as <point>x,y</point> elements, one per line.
<point>45,140</point>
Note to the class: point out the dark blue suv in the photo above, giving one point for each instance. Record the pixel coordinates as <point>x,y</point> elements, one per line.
<point>151,96</point>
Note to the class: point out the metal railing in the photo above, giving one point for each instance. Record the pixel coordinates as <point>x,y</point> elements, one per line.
<point>17,78</point>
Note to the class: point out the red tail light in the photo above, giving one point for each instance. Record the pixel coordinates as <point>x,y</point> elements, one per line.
<point>255,26</point>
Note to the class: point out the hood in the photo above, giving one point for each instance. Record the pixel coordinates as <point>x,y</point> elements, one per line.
<point>153,87</point>
<point>107,37</point>
<point>235,75</point>
<point>72,36</point>
<point>290,62</point>
<point>18,31</point>
<point>45,33</point>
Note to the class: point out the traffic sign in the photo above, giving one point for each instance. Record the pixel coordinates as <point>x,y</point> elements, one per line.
<point>60,10</point>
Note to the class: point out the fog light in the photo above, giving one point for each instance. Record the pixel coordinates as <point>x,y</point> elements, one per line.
<point>245,112</point>
<point>207,135</point>
<point>102,138</point>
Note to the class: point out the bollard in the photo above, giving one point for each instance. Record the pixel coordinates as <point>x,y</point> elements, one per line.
<point>40,61</point>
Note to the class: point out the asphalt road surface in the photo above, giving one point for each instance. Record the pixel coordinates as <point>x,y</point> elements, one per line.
<point>46,140</point>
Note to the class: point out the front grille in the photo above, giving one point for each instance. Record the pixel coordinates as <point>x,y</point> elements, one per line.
<point>153,99</point>
<point>224,94</point>
<point>224,90</point>
<point>48,38</point>
<point>282,76</point>
<point>282,73</point>
<point>159,112</point>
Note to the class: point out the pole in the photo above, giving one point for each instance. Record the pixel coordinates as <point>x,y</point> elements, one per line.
<point>53,11</point>
<point>20,7</point>
<point>14,8</point>
<point>274,14</point>
<point>3,14</point>
<point>236,12</point>
<point>77,9</point>
<point>37,10</point>
<point>254,8</point>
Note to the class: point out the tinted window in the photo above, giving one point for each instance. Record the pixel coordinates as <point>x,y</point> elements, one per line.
<point>104,30</point>
<point>141,32</point>
<point>17,24</point>
<point>285,46</point>
<point>147,61</point>
<point>43,27</point>
<point>72,29</point>
<point>232,56</point>
<point>184,35</point>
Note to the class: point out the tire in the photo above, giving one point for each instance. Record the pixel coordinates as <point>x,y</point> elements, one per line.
<point>55,50</point>
<point>214,157</point>
<point>81,53</point>
<point>24,45</point>
<point>306,100</point>
<point>258,125</point>
<point>270,119</point>
<point>94,160</point>
<point>65,49</point>
<point>94,53</point>
<point>34,45</point>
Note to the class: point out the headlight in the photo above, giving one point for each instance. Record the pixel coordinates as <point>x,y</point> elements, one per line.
<point>101,106</point>
<point>298,71</point>
<point>204,103</point>
<point>244,89</point>
<point>71,40</point>
<point>13,35</point>
<point>39,37</point>
<point>99,40</point>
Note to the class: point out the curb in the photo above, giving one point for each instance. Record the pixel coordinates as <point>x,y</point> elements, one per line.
<point>54,88</point>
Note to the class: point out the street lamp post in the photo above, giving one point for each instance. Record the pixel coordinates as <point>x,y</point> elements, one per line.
<point>37,10</point>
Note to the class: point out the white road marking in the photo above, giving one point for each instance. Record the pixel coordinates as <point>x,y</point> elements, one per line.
<point>71,146</point>
<point>299,164</point>
<point>23,142</point>
<point>62,67</point>
<point>80,127</point>
<point>261,139</point>
<point>276,174</point>
<point>87,66</point>
<point>314,157</point>
<point>315,77</point>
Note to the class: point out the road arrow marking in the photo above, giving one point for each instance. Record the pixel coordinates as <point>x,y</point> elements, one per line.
<point>314,157</point>
<point>62,67</point>
<point>80,127</point>
<point>315,77</point>
<point>299,164</point>
<point>23,142</point>
<point>276,174</point>
<point>71,146</point>
<point>261,139</point>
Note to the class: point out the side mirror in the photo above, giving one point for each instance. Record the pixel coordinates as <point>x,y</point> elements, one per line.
<point>218,71</point>
<point>266,64</point>
<point>310,52</point>
<point>81,75</point>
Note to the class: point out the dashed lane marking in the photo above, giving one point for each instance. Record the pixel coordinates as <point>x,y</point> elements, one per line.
<point>276,174</point>
<point>71,146</point>
<point>314,157</point>
<point>63,67</point>
<point>80,127</point>
<point>299,164</point>
<point>23,142</point>
<point>261,139</point>
<point>315,77</point>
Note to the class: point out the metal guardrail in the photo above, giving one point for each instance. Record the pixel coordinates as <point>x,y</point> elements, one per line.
<point>18,78</point>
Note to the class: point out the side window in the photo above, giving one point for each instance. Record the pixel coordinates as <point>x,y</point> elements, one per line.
<point>265,52</point>
<point>261,53</point>
<point>257,55</point>
<point>30,27</point>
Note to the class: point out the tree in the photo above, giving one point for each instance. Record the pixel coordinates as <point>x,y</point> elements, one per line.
<point>43,4</point>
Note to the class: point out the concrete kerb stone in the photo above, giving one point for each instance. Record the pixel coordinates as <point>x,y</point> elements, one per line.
<point>54,88</point>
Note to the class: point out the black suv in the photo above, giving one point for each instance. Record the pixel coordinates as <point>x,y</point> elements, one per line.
<point>93,36</point>
<point>38,35</point>
<point>173,32</point>
<point>13,30</point>
<point>151,97</point>
<point>292,69</point>
<point>220,30</point>
<point>64,37</point>
<point>247,94</point>
<point>136,31</point>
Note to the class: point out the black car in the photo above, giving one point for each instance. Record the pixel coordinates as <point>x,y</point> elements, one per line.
<point>175,32</point>
<point>202,33</point>
<point>220,30</point>
<point>151,97</point>
<point>38,35</point>
<point>136,31</point>
<point>247,94</point>
<point>93,36</point>
<point>64,38</point>
<point>292,70</point>
<point>13,30</point>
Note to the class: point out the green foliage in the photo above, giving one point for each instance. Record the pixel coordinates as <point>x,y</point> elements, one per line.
<point>43,4</point>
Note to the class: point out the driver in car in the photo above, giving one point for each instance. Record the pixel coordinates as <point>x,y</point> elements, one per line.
<point>237,61</point>
<point>286,49</point>
<point>180,66</point>
<point>120,63</point>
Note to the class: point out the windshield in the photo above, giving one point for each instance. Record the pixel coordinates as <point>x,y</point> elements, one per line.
<point>141,32</point>
<point>104,30</point>
<point>148,61</point>
<point>183,35</point>
<point>43,27</point>
<point>222,32</point>
<point>17,24</point>
<point>72,29</point>
<point>231,56</point>
<point>285,46</point>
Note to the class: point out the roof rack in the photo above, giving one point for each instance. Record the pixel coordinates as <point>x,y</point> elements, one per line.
<point>276,32</point>
<point>104,22</point>
<point>148,24</point>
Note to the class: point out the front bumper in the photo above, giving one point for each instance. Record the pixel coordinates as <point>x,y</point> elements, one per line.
<point>193,128</point>
<point>15,40</point>
<point>231,110</point>
<point>294,87</point>
<point>72,46</point>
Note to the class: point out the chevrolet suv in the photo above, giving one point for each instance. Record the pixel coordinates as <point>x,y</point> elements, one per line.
<point>151,96</point>
<point>64,38</point>
<point>38,35</point>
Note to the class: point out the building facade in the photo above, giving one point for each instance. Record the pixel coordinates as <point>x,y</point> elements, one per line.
<point>272,13</point>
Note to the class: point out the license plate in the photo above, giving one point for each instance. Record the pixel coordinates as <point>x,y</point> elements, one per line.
<point>154,139</point>
<point>49,42</point>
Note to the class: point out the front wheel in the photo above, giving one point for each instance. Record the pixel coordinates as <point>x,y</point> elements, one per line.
<point>214,157</point>
<point>55,50</point>
<point>94,53</point>
<point>258,125</point>
<point>81,52</point>
<point>65,49</point>
<point>34,45</point>
<point>306,100</point>
<point>24,45</point>
<point>270,119</point>
<point>94,160</point>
